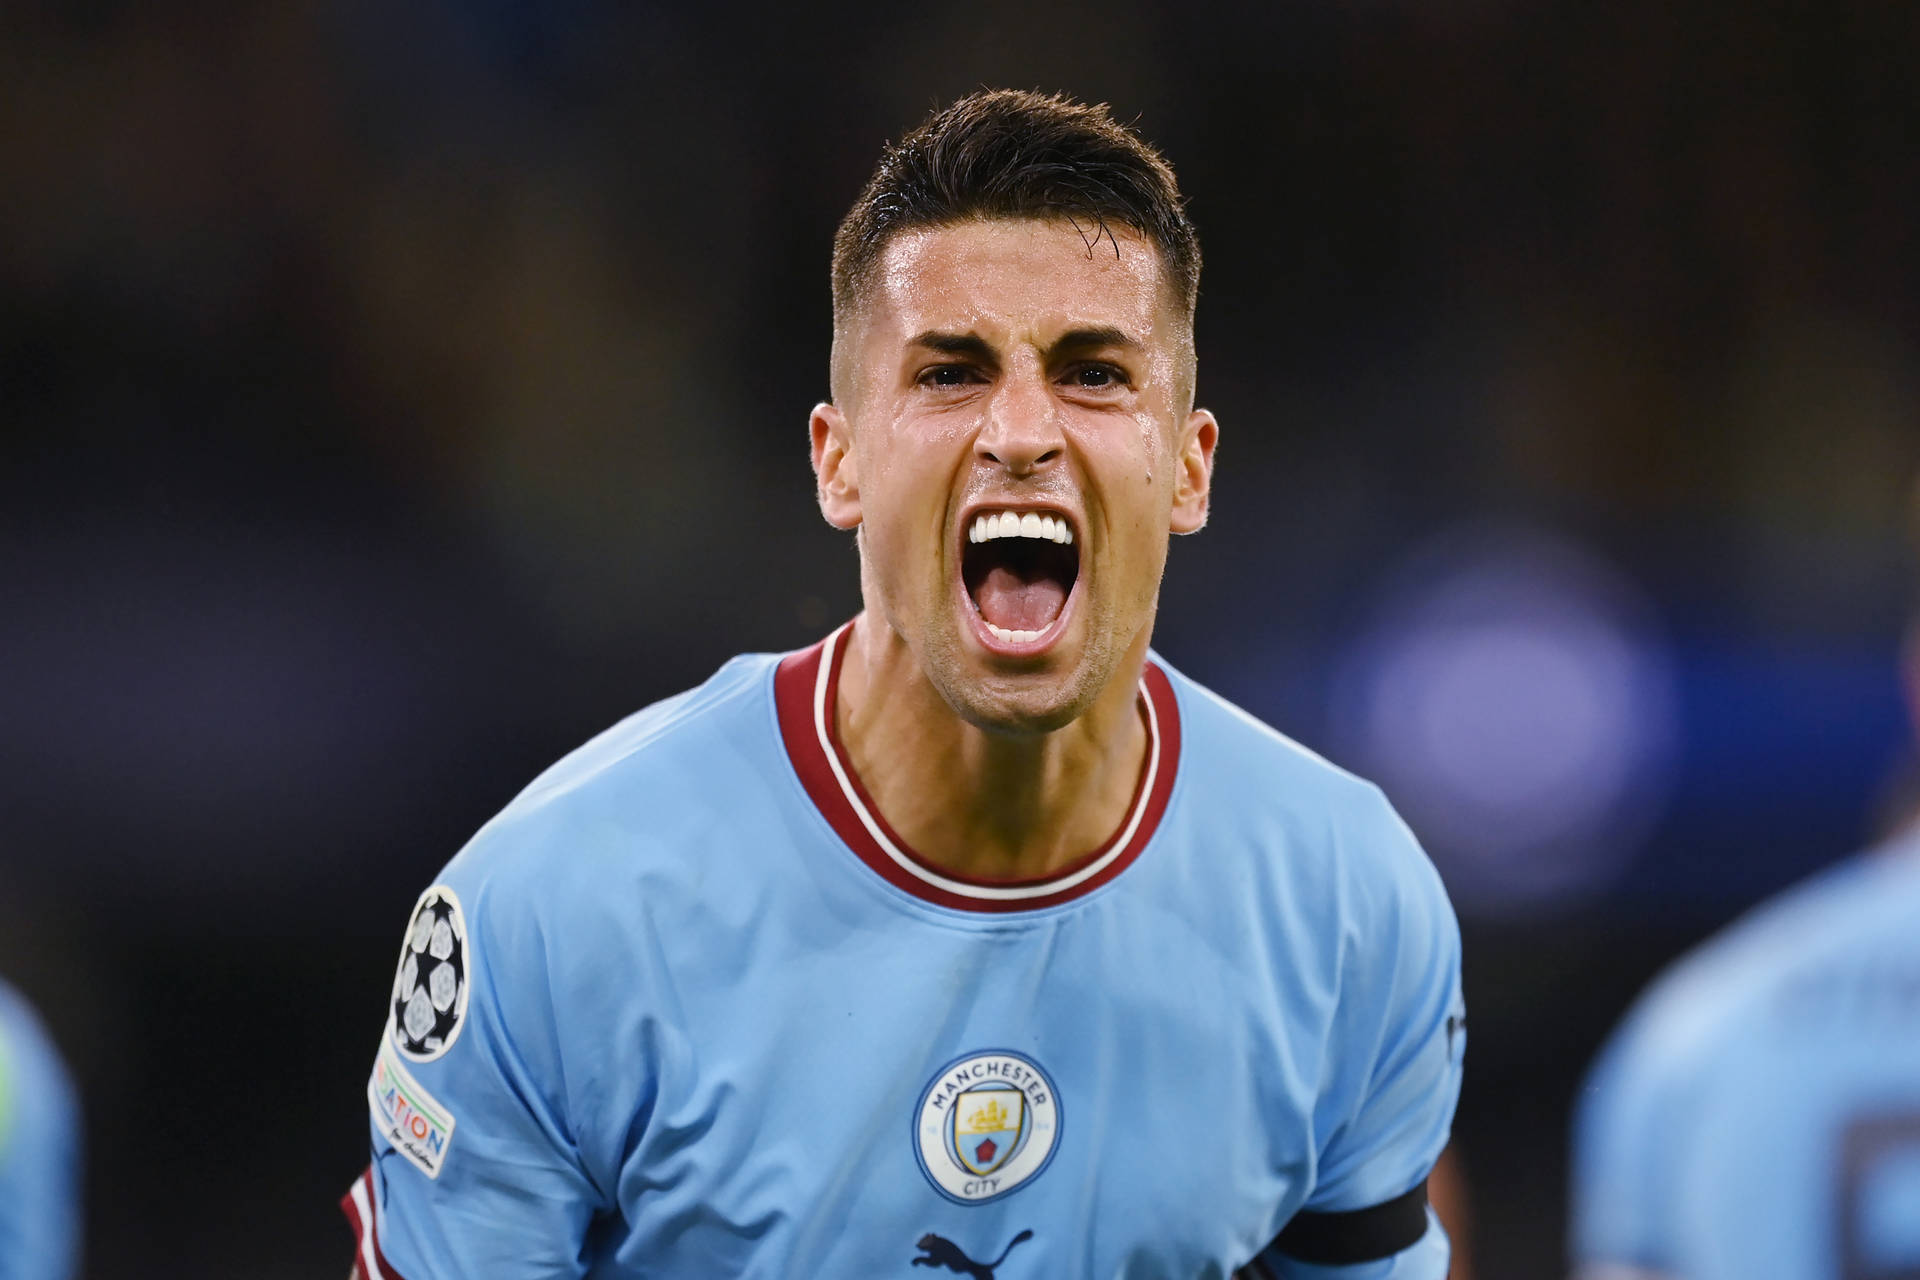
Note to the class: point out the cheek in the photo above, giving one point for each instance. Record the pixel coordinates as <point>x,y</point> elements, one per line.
<point>905,490</point>
<point>915,451</point>
<point>1145,491</point>
<point>1154,468</point>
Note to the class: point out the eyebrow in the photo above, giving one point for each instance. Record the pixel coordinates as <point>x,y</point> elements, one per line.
<point>955,344</point>
<point>1106,336</point>
<point>978,348</point>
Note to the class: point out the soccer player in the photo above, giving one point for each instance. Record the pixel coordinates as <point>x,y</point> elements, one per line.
<point>39,1151</point>
<point>1757,1114</point>
<point>974,937</point>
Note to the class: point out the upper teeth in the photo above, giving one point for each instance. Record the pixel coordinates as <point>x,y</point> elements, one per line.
<point>1011,524</point>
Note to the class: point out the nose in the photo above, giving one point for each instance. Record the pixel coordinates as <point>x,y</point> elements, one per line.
<point>1022,430</point>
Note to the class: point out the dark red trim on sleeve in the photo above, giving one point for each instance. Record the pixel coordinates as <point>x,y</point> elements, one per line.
<point>808,729</point>
<point>358,1204</point>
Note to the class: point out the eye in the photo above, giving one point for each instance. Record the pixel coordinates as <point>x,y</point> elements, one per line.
<point>948,375</point>
<point>1096,377</point>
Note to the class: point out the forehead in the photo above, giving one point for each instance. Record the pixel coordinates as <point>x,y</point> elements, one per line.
<point>1020,279</point>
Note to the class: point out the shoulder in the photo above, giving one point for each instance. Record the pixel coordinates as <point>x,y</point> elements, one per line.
<point>1323,824</point>
<point>570,880</point>
<point>684,751</point>
<point>38,1106</point>
<point>1727,980</point>
<point>27,1055</point>
<point>40,1148</point>
<point>1724,1034</point>
<point>628,804</point>
<point>1353,940</point>
<point>1695,1021</point>
<point>680,737</point>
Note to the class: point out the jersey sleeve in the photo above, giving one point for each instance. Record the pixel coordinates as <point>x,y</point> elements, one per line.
<point>39,1151</point>
<point>476,1169</point>
<point>1399,1043</point>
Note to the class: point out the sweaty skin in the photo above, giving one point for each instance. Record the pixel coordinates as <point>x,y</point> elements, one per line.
<point>1004,364</point>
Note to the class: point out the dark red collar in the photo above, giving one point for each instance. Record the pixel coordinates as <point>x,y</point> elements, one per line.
<point>805,687</point>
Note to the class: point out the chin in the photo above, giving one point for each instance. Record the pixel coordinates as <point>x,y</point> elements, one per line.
<point>1017,716</point>
<point>1017,703</point>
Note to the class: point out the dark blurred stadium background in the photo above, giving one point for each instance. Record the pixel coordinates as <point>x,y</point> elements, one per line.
<point>397,394</point>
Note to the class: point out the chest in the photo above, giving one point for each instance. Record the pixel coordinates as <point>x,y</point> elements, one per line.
<point>1080,1101</point>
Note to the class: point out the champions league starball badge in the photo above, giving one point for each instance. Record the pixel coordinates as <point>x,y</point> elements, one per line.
<point>987,1123</point>
<point>430,986</point>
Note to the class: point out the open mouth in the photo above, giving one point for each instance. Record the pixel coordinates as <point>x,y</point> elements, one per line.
<point>1019,567</point>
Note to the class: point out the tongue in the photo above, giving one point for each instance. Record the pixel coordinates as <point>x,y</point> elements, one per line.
<point>1015,604</point>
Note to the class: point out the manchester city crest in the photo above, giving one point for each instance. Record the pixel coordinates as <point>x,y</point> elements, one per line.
<point>430,986</point>
<point>987,1123</point>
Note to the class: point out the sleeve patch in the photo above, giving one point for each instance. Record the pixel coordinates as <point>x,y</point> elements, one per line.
<point>409,1117</point>
<point>430,985</point>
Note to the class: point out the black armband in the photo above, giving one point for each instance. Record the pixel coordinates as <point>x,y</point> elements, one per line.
<point>1357,1235</point>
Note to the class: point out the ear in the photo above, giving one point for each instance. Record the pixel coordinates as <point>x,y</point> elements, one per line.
<point>836,481</point>
<point>1193,472</point>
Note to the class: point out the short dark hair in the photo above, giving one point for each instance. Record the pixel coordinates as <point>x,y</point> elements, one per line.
<point>1009,153</point>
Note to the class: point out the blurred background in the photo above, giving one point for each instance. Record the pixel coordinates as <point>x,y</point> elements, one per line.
<point>396,394</point>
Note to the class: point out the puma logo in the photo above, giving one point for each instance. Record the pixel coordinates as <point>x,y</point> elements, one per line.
<point>941,1252</point>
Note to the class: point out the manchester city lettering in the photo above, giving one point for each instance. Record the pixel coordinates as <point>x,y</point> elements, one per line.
<point>1011,1070</point>
<point>986,1124</point>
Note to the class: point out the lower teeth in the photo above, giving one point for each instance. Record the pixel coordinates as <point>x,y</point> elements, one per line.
<point>1011,637</point>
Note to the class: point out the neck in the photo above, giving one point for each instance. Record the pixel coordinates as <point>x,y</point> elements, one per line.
<point>981,804</point>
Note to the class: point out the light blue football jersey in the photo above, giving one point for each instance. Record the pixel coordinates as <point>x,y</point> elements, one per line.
<point>689,1008</point>
<point>39,1151</point>
<point>1758,1112</point>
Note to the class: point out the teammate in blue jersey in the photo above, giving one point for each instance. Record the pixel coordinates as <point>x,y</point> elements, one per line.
<point>974,939</point>
<point>39,1151</point>
<point>1758,1112</point>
